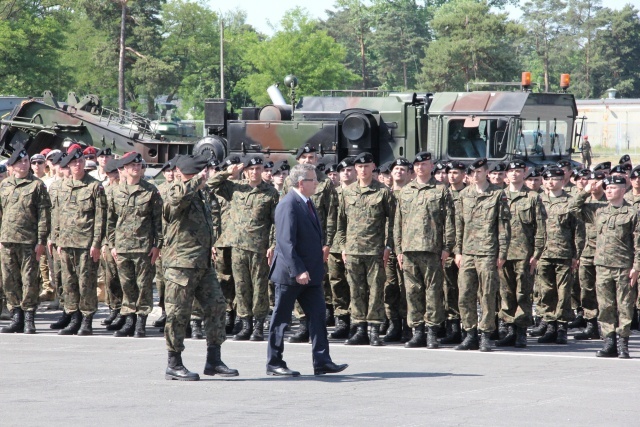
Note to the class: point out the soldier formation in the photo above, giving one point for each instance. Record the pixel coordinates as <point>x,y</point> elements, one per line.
<point>412,249</point>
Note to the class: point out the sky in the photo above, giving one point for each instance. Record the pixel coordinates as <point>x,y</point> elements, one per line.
<point>261,12</point>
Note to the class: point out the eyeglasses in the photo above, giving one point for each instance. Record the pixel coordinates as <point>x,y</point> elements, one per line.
<point>38,162</point>
<point>90,157</point>
<point>310,179</point>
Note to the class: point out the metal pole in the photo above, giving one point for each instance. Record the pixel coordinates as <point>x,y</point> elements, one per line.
<point>221,58</point>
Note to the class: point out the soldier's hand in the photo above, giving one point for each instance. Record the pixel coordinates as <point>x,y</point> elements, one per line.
<point>214,254</point>
<point>58,250</point>
<point>154,254</point>
<point>500,263</point>
<point>94,253</point>
<point>39,251</point>
<point>270,256</point>
<point>50,247</point>
<point>458,260</point>
<point>574,264</point>
<point>303,278</point>
<point>114,254</point>
<point>400,260</point>
<point>344,257</point>
<point>633,275</point>
<point>444,257</point>
<point>325,253</point>
<point>235,168</point>
<point>533,262</point>
<point>385,256</point>
<point>587,188</point>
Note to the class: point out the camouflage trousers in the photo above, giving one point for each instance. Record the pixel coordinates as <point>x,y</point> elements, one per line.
<point>478,280</point>
<point>182,286</point>
<point>366,278</point>
<point>44,274</point>
<point>516,292</point>
<point>423,278</point>
<point>395,293</point>
<point>575,293</point>
<point>251,272</point>
<point>80,280</point>
<point>225,276</point>
<point>556,280</point>
<point>136,276</point>
<point>112,280</point>
<point>56,272</point>
<point>326,289</point>
<point>616,299</point>
<point>160,281</point>
<point>451,293</point>
<point>588,298</point>
<point>20,274</point>
<point>341,296</point>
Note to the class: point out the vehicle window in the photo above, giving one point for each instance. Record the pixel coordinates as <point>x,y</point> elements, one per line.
<point>488,139</point>
<point>543,137</point>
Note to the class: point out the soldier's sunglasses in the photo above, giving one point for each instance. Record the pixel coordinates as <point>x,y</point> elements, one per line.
<point>38,162</point>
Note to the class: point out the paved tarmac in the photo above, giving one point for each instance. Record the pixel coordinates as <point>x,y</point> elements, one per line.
<point>46,379</point>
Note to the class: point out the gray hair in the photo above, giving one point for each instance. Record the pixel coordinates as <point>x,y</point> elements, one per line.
<point>299,172</point>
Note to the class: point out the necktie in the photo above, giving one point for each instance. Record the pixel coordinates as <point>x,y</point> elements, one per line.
<point>313,215</point>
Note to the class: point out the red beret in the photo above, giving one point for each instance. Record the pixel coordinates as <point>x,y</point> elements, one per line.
<point>89,150</point>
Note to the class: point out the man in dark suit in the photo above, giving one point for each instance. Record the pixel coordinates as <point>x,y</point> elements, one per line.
<point>297,270</point>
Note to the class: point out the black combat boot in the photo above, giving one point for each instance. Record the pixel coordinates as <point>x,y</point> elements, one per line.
<point>29,322</point>
<point>509,339</point>
<point>470,341</point>
<point>353,328</point>
<point>590,332</point>
<point>407,334</point>
<point>419,338</point>
<point>229,320</point>
<point>485,341</point>
<point>503,329</point>
<point>196,329</point>
<point>17,322</point>
<point>455,336</point>
<point>74,324</point>
<point>86,328</point>
<point>360,337</point>
<point>444,329</point>
<point>550,334</point>
<point>62,322</point>
<point>303,333</point>
<point>258,331</point>
<point>245,332</point>
<point>117,323</point>
<point>394,333</point>
<point>561,337</point>
<point>623,348</point>
<point>374,337</point>
<point>608,347</point>
<point>215,365</point>
<point>237,325</point>
<point>521,337</point>
<point>500,327</point>
<point>129,327</point>
<point>177,371</point>
<point>342,328</point>
<point>161,321</point>
<point>539,330</point>
<point>432,337</point>
<point>328,315</point>
<point>384,327</point>
<point>109,319</point>
<point>141,326</point>
<point>579,321</point>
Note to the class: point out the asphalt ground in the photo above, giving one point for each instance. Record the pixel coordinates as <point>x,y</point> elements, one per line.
<point>46,379</point>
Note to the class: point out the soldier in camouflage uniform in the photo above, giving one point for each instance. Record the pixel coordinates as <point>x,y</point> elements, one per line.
<point>79,230</point>
<point>134,233</point>
<point>585,205</point>
<point>633,197</point>
<point>497,174</point>
<point>482,244</point>
<point>24,227</point>
<point>252,213</point>
<point>424,237</point>
<point>188,270</point>
<point>365,232</point>
<point>559,259</point>
<point>525,248</point>
<point>534,181</point>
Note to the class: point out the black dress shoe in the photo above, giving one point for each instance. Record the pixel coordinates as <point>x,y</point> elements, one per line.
<point>282,371</point>
<point>329,368</point>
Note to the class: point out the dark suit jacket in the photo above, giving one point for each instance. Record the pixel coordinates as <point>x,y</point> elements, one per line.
<point>298,243</point>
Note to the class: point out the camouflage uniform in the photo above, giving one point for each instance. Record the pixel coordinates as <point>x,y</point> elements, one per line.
<point>423,229</point>
<point>451,271</point>
<point>113,286</point>
<point>252,213</point>
<point>134,227</point>
<point>80,225</point>
<point>395,292</point>
<point>527,240</point>
<point>223,248</point>
<point>25,223</point>
<point>365,227</point>
<point>633,201</point>
<point>160,285</point>
<point>188,268</point>
<point>56,269</point>
<point>341,297</point>
<point>482,236</point>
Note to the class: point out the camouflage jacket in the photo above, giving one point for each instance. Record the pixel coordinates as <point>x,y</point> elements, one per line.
<point>455,200</point>
<point>618,237</point>
<point>24,211</point>
<point>424,219</point>
<point>528,227</point>
<point>365,219</point>
<point>336,248</point>
<point>585,207</point>
<point>251,212</point>
<point>564,237</point>
<point>54,190</point>
<point>482,222</point>
<point>188,229</point>
<point>632,200</point>
<point>81,213</point>
<point>134,218</point>
<point>221,209</point>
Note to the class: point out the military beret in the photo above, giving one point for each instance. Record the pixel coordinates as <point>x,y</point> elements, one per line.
<point>363,158</point>
<point>72,155</point>
<point>51,153</point>
<point>89,150</point>
<point>57,157</point>
<point>345,163</point>
<point>385,168</point>
<point>306,148</point>
<point>564,163</point>
<point>45,151</point>
<point>584,173</point>
<point>321,167</point>
<point>477,164</point>
<point>104,152</point>
<point>232,159</point>
<point>498,167</point>
<point>74,147</point>
<point>400,161</point>
<point>574,173</point>
<point>131,158</point>
<point>614,180</point>
<point>618,169</point>
<point>37,157</point>
<point>18,154</point>
<point>268,165</point>
<point>457,165</point>
<point>625,159</point>
<point>191,165</point>
<point>253,161</point>
<point>422,157</point>
<point>112,166</point>
<point>627,166</point>
<point>439,166</point>
<point>635,173</point>
<point>213,163</point>
<point>282,165</point>
<point>332,168</point>
<point>598,175</point>
<point>516,164</point>
<point>376,169</point>
<point>553,172</point>
<point>3,169</point>
<point>602,166</point>
<point>534,173</point>
<point>165,166</point>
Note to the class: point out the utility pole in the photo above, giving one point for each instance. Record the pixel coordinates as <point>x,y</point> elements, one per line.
<point>221,58</point>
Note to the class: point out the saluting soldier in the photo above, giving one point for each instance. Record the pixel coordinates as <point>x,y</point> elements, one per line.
<point>24,227</point>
